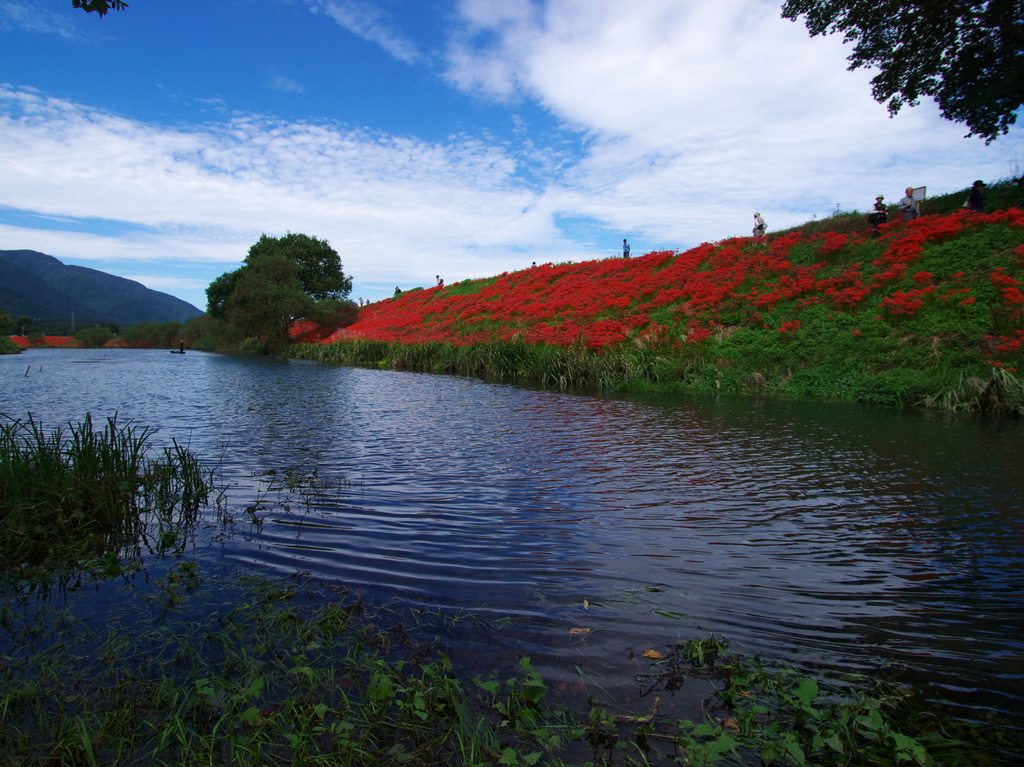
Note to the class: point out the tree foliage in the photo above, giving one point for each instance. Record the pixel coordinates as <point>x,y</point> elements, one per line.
<point>95,337</point>
<point>283,280</point>
<point>966,54</point>
<point>153,335</point>
<point>318,264</point>
<point>99,6</point>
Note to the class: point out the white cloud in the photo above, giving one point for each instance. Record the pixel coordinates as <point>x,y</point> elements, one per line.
<point>368,21</point>
<point>698,112</point>
<point>692,114</point>
<point>285,84</point>
<point>396,209</point>
<point>34,18</point>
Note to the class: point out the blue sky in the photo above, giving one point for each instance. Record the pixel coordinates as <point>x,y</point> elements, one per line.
<point>421,137</point>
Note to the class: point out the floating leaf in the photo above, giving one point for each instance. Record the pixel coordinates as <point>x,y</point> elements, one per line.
<point>653,654</point>
<point>579,632</point>
<point>586,605</point>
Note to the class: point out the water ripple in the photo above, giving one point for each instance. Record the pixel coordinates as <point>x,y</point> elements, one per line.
<point>830,533</point>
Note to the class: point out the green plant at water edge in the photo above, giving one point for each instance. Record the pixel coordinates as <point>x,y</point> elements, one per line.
<point>286,676</point>
<point>775,715</point>
<point>71,493</point>
<point>297,673</point>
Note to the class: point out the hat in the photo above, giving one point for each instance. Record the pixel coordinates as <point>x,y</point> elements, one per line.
<point>757,214</point>
<point>979,182</point>
<point>880,197</point>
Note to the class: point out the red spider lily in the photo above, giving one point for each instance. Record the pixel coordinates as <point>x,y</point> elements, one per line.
<point>1008,286</point>
<point>609,302</point>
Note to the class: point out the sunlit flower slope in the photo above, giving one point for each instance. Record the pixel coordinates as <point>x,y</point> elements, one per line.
<point>957,277</point>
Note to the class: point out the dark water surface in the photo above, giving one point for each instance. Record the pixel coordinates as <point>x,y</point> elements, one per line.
<point>825,534</point>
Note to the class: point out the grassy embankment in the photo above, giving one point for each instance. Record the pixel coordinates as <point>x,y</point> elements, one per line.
<point>929,314</point>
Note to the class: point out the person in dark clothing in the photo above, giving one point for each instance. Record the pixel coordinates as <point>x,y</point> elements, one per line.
<point>976,200</point>
<point>879,214</point>
<point>625,249</point>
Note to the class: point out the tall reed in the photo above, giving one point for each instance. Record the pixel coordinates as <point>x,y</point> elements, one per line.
<point>70,491</point>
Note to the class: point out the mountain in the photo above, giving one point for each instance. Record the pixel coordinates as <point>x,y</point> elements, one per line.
<point>39,286</point>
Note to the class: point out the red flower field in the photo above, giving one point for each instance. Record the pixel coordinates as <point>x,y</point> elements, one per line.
<point>682,298</point>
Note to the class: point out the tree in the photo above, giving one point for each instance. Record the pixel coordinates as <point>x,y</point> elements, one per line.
<point>283,280</point>
<point>219,291</point>
<point>319,266</point>
<point>93,338</point>
<point>99,6</point>
<point>967,54</point>
<point>153,335</point>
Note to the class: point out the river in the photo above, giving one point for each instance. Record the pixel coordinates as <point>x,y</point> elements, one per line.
<point>827,535</point>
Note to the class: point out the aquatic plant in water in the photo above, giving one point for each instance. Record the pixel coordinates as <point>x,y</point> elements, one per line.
<point>77,492</point>
<point>299,672</point>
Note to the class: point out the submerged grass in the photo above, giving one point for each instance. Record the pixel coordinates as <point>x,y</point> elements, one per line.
<point>298,673</point>
<point>68,494</point>
<point>285,675</point>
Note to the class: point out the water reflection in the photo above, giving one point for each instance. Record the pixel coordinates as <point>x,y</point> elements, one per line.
<point>826,533</point>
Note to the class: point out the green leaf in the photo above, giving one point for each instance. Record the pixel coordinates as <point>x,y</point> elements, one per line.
<point>670,614</point>
<point>807,691</point>
<point>794,750</point>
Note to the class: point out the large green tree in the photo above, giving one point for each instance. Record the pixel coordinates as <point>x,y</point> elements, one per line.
<point>283,280</point>
<point>966,54</point>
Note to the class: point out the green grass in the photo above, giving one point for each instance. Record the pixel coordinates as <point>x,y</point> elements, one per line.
<point>286,675</point>
<point>877,367</point>
<point>76,493</point>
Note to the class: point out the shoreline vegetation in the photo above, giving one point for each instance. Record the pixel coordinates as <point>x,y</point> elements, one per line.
<point>927,314</point>
<point>294,672</point>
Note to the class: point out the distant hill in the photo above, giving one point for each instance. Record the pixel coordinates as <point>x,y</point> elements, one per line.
<point>39,286</point>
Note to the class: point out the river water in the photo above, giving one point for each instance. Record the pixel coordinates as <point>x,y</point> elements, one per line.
<point>822,534</point>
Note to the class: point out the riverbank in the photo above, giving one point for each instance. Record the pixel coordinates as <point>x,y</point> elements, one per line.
<point>929,314</point>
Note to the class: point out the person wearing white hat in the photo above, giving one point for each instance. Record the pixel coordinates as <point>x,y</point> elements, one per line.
<point>879,214</point>
<point>759,227</point>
